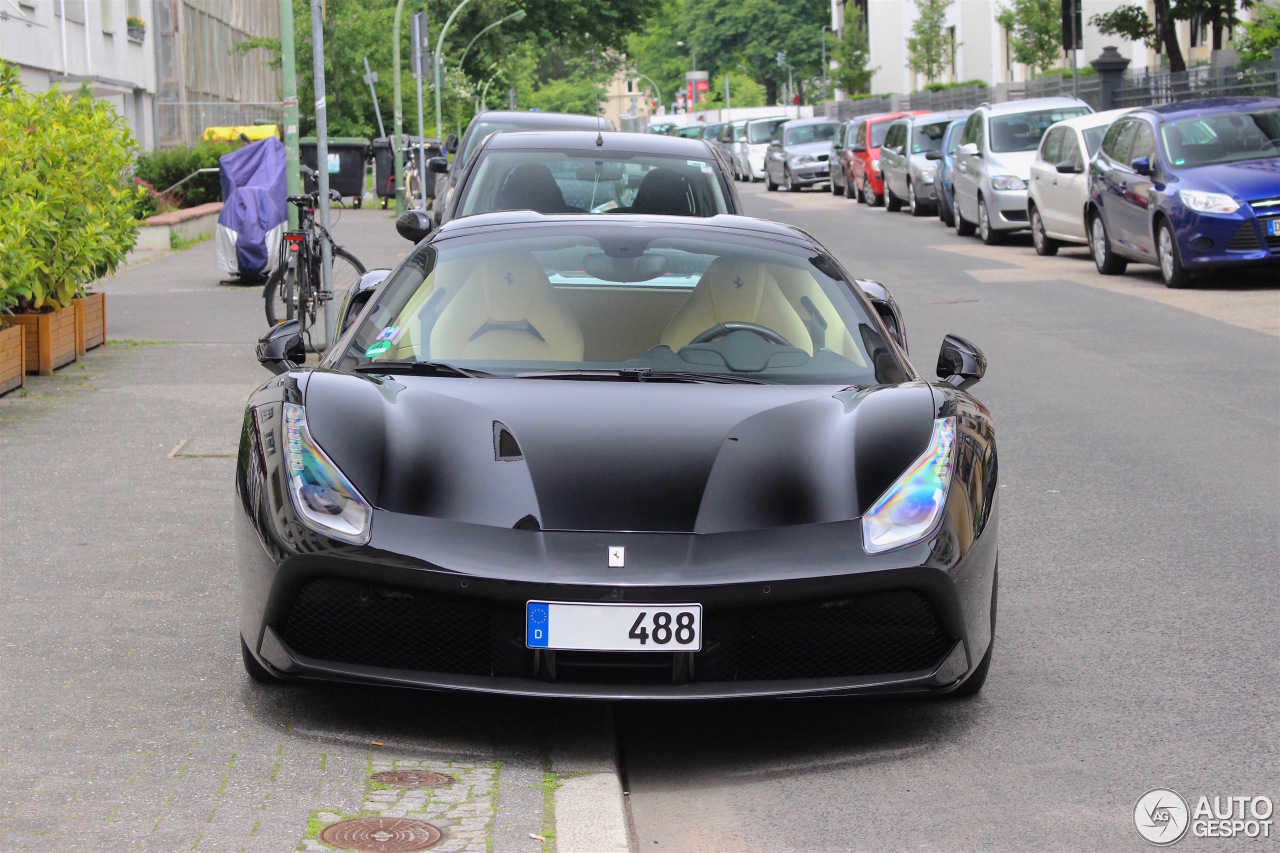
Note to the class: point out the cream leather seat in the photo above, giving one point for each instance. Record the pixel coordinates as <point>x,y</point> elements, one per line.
<point>736,290</point>
<point>507,310</point>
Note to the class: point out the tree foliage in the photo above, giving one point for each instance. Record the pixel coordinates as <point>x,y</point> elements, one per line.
<point>1034,29</point>
<point>1260,35</point>
<point>68,198</point>
<point>743,91</point>
<point>854,55</point>
<point>928,50</point>
<point>1158,29</point>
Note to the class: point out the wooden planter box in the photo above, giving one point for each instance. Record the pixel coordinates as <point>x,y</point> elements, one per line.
<point>13,358</point>
<point>91,322</point>
<point>50,339</point>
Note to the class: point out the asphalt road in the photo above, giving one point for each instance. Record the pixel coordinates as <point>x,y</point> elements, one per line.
<point>1139,612</point>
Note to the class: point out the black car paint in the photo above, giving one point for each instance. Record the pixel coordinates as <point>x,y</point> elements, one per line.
<point>769,483</point>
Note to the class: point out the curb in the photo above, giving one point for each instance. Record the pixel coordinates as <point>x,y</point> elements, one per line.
<point>590,816</point>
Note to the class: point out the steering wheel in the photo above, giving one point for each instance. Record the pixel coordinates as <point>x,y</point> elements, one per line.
<point>739,326</point>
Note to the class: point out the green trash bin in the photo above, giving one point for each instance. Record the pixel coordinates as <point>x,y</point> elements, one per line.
<point>347,158</point>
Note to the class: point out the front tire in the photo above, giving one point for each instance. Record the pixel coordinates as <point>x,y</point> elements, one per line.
<point>964,228</point>
<point>279,295</point>
<point>768,181</point>
<point>1175,275</point>
<point>1100,246</point>
<point>989,235</point>
<point>891,202</point>
<point>836,189</point>
<point>913,203</point>
<point>1045,245</point>
<point>869,198</point>
<point>787,183</point>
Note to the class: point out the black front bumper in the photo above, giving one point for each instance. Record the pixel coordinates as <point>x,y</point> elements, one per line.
<point>785,612</point>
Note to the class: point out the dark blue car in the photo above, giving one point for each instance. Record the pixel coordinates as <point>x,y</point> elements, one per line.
<point>1190,187</point>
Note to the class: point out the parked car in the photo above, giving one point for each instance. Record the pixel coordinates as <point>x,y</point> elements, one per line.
<point>708,417</point>
<point>730,135</point>
<point>908,175</point>
<point>839,183</point>
<point>864,172</point>
<point>1059,189</point>
<point>759,132</point>
<point>993,163</point>
<point>568,172</point>
<point>711,132</point>
<point>662,128</point>
<point>496,121</point>
<point>691,131</point>
<point>946,159</point>
<point>799,154</point>
<point>1192,187</point>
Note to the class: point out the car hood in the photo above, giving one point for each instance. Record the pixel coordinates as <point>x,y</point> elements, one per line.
<point>1015,163</point>
<point>618,456</point>
<point>812,148</point>
<point>1248,180</point>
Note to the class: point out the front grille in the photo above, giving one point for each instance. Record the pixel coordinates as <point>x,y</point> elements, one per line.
<point>822,158</point>
<point>1273,242</point>
<point>353,623</point>
<point>877,633</point>
<point>1265,205</point>
<point>1244,240</point>
<point>874,634</point>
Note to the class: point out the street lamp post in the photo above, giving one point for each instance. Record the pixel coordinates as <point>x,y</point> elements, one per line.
<point>439,61</point>
<point>825,69</point>
<point>517,15</point>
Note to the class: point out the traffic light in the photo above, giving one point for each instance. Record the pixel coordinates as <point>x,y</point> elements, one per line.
<point>782,58</point>
<point>795,99</point>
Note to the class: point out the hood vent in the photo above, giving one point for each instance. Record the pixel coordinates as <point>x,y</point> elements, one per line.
<point>505,446</point>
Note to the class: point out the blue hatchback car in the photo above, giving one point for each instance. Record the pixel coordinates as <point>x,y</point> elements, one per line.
<point>946,157</point>
<point>1190,187</point>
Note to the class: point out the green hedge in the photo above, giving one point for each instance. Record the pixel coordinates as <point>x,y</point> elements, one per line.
<point>67,206</point>
<point>164,168</point>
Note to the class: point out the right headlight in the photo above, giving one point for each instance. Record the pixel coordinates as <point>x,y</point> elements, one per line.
<point>1008,182</point>
<point>803,160</point>
<point>324,498</point>
<point>875,166</point>
<point>1202,202</point>
<point>910,509</point>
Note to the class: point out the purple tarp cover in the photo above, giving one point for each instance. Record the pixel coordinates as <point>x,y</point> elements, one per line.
<point>253,196</point>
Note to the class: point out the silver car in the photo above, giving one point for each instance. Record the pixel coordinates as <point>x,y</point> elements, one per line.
<point>799,154</point>
<point>908,174</point>
<point>993,163</point>
<point>730,135</point>
<point>751,150</point>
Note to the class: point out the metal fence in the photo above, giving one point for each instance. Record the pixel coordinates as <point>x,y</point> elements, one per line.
<point>1207,81</point>
<point>179,122</point>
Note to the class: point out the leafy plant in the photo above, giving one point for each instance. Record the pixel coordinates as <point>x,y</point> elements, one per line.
<point>136,23</point>
<point>1035,31</point>
<point>928,48</point>
<point>164,168</point>
<point>1261,34</point>
<point>68,204</point>
<point>854,55</point>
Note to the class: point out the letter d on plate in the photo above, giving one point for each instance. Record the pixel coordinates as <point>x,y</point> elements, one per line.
<point>538,617</point>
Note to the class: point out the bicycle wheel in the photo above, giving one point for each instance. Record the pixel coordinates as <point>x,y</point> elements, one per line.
<point>281,295</point>
<point>347,270</point>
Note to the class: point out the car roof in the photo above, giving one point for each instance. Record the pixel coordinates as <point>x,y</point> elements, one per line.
<point>799,122</point>
<point>1030,105</point>
<point>540,119</point>
<point>1212,105</point>
<point>767,118</point>
<point>1101,119</point>
<point>941,116</point>
<point>724,222</point>
<point>585,140</point>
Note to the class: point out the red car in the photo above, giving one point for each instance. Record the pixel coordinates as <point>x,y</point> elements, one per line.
<point>862,155</point>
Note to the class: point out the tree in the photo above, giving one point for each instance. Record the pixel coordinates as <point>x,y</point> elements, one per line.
<point>928,48</point>
<point>1261,34</point>
<point>854,56</point>
<point>1158,28</point>
<point>743,91</point>
<point>1034,29</point>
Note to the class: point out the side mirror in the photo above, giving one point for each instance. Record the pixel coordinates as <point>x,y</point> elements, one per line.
<point>1067,167</point>
<point>1142,165</point>
<point>451,143</point>
<point>970,149</point>
<point>858,146</point>
<point>933,155</point>
<point>280,348</point>
<point>358,297</point>
<point>960,363</point>
<point>439,165</point>
<point>887,308</point>
<point>414,225</point>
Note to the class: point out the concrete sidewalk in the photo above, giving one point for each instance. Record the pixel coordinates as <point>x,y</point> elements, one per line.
<point>126,720</point>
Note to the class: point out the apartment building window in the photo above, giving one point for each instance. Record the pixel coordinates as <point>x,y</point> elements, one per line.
<point>108,16</point>
<point>631,86</point>
<point>951,52</point>
<point>74,10</point>
<point>133,8</point>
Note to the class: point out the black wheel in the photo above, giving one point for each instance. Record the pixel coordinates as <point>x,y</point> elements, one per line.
<point>1175,275</point>
<point>257,671</point>
<point>913,203</point>
<point>346,271</point>
<point>973,684</point>
<point>891,202</point>
<point>768,180</point>
<point>1045,245</point>
<point>945,213</point>
<point>281,295</point>
<point>964,228</point>
<point>836,189</point>
<point>989,235</point>
<point>787,183</point>
<point>356,202</point>
<point>869,198</point>
<point>384,204</point>
<point>1107,262</point>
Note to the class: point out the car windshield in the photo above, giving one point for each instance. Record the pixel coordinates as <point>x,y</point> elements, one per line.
<point>810,133</point>
<point>1222,137</point>
<point>1093,138</point>
<point>763,131</point>
<point>740,132</point>
<point>622,301</point>
<point>878,132</point>
<point>592,182</point>
<point>1023,131</point>
<point>480,133</point>
<point>928,137</point>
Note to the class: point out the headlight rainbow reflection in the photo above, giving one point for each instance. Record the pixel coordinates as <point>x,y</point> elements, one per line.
<point>325,500</point>
<point>908,511</point>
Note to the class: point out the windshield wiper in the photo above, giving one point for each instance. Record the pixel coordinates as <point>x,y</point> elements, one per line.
<point>420,368</point>
<point>642,374</point>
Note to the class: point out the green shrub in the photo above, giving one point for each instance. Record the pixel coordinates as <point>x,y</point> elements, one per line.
<point>164,168</point>
<point>960,84</point>
<point>67,210</point>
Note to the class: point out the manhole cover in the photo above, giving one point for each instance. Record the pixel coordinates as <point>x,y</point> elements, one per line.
<point>381,834</point>
<point>413,779</point>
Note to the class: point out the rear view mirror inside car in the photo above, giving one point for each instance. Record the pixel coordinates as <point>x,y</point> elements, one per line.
<point>608,268</point>
<point>600,171</point>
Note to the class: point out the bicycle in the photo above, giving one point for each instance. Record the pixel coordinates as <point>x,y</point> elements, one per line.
<point>294,289</point>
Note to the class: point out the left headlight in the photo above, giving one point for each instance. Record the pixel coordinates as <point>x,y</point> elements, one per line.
<point>1202,202</point>
<point>324,498</point>
<point>1008,182</point>
<point>803,160</point>
<point>910,509</point>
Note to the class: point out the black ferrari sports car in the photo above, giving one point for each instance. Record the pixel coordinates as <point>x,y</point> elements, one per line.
<point>619,457</point>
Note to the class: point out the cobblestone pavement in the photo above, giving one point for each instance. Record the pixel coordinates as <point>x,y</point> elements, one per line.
<point>126,719</point>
